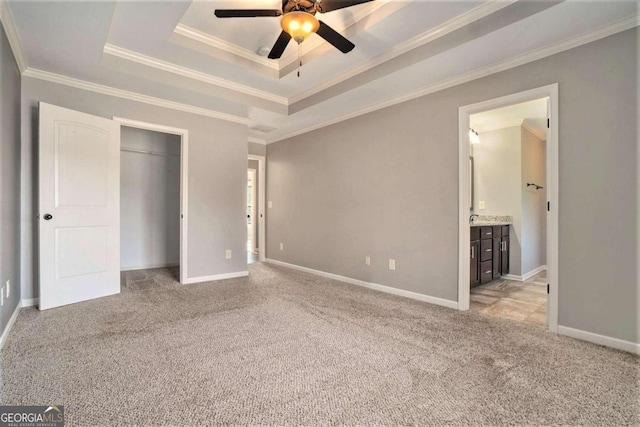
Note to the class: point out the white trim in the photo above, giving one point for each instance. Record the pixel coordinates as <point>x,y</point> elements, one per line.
<point>254,209</point>
<point>262,220</point>
<point>30,302</point>
<point>464,113</point>
<point>9,28</point>
<point>257,140</point>
<point>534,131</point>
<point>381,288</point>
<point>604,340</point>
<point>526,276</point>
<point>148,267</point>
<point>522,59</point>
<point>159,64</point>
<point>224,45</point>
<point>132,96</point>
<point>485,9</point>
<point>10,323</point>
<point>497,126</point>
<point>184,183</point>
<point>215,277</point>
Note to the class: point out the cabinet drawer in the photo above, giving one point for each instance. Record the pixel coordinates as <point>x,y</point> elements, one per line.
<point>486,271</point>
<point>505,231</point>
<point>486,250</point>
<point>475,233</point>
<point>486,232</point>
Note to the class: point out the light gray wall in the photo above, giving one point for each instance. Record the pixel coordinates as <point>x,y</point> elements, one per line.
<point>256,149</point>
<point>217,176</point>
<point>534,212</point>
<point>386,185</point>
<point>149,199</point>
<point>9,178</point>
<point>498,182</point>
<point>254,164</point>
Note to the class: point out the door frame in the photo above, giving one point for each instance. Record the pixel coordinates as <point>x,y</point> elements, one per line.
<point>552,165</point>
<point>184,182</point>
<point>254,208</point>
<point>262,194</point>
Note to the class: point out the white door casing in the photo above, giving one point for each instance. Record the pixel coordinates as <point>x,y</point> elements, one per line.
<point>79,188</point>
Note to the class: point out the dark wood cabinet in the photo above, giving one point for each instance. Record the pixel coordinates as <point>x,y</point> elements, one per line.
<point>475,263</point>
<point>489,253</point>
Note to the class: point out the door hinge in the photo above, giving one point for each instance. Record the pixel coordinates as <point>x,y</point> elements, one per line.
<point>547,288</point>
<point>548,123</point>
<point>548,206</point>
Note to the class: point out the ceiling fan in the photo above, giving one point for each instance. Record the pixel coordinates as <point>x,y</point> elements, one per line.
<point>298,22</point>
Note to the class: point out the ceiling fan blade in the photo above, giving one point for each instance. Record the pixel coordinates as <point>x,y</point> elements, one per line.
<point>335,38</point>
<point>329,5</point>
<point>281,44</point>
<point>246,13</point>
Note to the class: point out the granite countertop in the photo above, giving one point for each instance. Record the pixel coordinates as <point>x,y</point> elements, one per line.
<point>489,220</point>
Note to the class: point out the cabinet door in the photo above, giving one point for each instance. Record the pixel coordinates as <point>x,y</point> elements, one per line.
<point>504,255</point>
<point>475,263</point>
<point>497,245</point>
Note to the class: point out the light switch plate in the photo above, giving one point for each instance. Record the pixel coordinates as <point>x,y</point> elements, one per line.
<point>270,204</point>
<point>282,246</point>
<point>392,264</point>
<point>481,204</point>
<point>8,288</point>
<point>228,254</point>
<point>367,260</point>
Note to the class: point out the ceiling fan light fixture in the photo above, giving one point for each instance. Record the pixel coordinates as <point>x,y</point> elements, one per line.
<point>299,25</point>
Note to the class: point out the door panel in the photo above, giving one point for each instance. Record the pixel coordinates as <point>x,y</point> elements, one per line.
<point>475,264</point>
<point>504,265</point>
<point>497,243</point>
<point>79,206</point>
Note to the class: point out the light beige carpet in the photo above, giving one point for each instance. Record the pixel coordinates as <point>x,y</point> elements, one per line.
<point>287,348</point>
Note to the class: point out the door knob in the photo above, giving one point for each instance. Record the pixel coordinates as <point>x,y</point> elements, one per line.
<point>47,217</point>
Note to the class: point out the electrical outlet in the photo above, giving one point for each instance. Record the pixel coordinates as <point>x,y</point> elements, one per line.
<point>392,264</point>
<point>481,204</point>
<point>8,288</point>
<point>228,254</point>
<point>282,246</point>
<point>367,260</point>
<point>270,204</point>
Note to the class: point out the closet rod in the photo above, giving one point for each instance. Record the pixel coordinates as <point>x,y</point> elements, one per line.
<point>133,150</point>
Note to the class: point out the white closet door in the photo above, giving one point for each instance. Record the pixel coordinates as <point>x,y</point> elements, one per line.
<point>79,206</point>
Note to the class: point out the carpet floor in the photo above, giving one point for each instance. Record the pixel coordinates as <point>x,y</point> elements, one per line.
<point>286,348</point>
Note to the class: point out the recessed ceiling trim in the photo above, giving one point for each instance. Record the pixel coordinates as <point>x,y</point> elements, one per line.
<point>224,45</point>
<point>551,49</point>
<point>9,28</point>
<point>192,74</point>
<point>441,30</point>
<point>132,96</point>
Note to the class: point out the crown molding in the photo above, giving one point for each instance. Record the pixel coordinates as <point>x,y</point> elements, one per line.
<point>432,34</point>
<point>192,74</point>
<point>225,46</point>
<point>534,130</point>
<point>132,96</point>
<point>551,49</point>
<point>257,140</point>
<point>9,28</point>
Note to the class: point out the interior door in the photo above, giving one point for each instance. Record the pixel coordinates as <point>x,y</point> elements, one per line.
<point>79,207</point>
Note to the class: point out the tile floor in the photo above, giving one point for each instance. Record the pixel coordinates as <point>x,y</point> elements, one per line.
<point>508,299</point>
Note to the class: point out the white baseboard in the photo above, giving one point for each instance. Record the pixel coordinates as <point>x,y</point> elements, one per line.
<point>147,267</point>
<point>604,340</point>
<point>374,286</point>
<point>32,302</point>
<point>525,276</point>
<point>10,323</point>
<point>192,280</point>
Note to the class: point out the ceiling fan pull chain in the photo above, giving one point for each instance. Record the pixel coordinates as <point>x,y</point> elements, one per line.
<point>299,60</point>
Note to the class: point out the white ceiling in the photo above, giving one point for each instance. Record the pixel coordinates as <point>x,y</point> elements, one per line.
<point>534,113</point>
<point>179,52</point>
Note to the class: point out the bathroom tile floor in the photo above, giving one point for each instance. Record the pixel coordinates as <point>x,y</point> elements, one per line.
<point>521,301</point>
